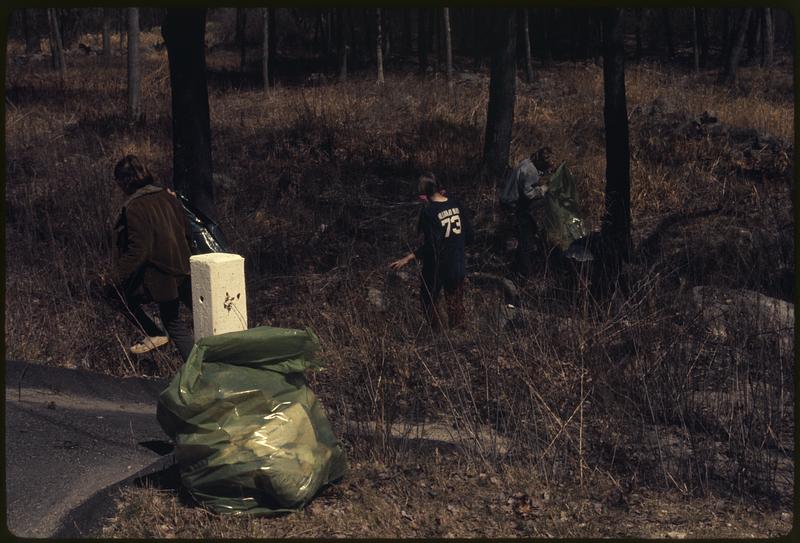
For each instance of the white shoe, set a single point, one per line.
(148, 343)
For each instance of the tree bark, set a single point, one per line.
(184, 34)
(638, 28)
(477, 39)
(56, 46)
(449, 47)
(407, 48)
(134, 70)
(547, 48)
(702, 30)
(341, 44)
(265, 49)
(728, 75)
(527, 32)
(106, 32)
(423, 40)
(273, 44)
(241, 38)
(769, 37)
(616, 228)
(32, 45)
(695, 45)
(753, 34)
(502, 92)
(378, 47)
(668, 43)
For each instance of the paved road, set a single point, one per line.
(68, 435)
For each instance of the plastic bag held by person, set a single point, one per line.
(250, 436)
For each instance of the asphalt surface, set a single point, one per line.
(70, 435)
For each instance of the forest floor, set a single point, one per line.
(663, 409)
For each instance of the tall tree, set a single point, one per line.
(265, 49)
(379, 47)
(616, 228)
(669, 47)
(527, 34)
(702, 38)
(638, 28)
(184, 34)
(241, 37)
(341, 44)
(502, 92)
(273, 43)
(695, 44)
(728, 74)
(134, 70)
(32, 45)
(106, 32)
(769, 38)
(449, 47)
(56, 45)
(423, 39)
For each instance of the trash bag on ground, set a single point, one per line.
(206, 235)
(250, 436)
(562, 221)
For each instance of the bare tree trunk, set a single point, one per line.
(378, 48)
(728, 75)
(423, 41)
(616, 228)
(407, 32)
(449, 46)
(769, 37)
(106, 32)
(477, 37)
(702, 30)
(695, 45)
(341, 44)
(184, 34)
(56, 46)
(670, 48)
(437, 34)
(265, 49)
(32, 45)
(502, 92)
(752, 34)
(241, 37)
(639, 34)
(527, 32)
(547, 52)
(273, 44)
(134, 71)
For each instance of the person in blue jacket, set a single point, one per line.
(447, 230)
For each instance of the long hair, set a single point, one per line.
(131, 172)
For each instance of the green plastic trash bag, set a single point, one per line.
(562, 220)
(250, 436)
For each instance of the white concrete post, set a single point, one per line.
(218, 294)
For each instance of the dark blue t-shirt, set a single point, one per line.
(447, 229)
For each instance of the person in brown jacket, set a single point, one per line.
(151, 258)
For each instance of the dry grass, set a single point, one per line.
(316, 196)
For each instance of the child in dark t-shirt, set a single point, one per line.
(447, 229)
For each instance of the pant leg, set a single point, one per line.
(429, 290)
(177, 329)
(454, 294)
(525, 230)
(129, 303)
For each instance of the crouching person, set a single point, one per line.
(522, 196)
(151, 258)
(447, 229)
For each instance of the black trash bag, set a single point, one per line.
(206, 235)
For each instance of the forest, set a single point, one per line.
(648, 392)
